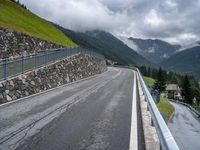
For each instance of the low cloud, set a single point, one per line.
(79, 15)
(176, 21)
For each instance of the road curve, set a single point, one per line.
(87, 115)
(185, 128)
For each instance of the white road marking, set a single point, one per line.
(133, 145)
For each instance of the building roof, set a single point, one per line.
(172, 87)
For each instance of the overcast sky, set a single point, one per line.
(175, 21)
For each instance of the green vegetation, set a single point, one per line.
(165, 106)
(186, 62)
(187, 90)
(190, 86)
(16, 18)
(196, 106)
(149, 81)
(160, 83)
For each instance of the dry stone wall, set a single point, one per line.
(14, 44)
(65, 71)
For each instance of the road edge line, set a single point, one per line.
(133, 145)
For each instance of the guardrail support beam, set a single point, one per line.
(5, 69)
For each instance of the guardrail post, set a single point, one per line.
(69, 53)
(54, 56)
(152, 124)
(5, 69)
(65, 53)
(35, 60)
(22, 64)
(147, 106)
(160, 147)
(45, 58)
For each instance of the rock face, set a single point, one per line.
(154, 50)
(71, 69)
(15, 44)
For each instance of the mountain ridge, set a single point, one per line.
(155, 50)
(186, 61)
(108, 45)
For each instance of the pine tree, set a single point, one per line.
(187, 90)
(149, 72)
(196, 93)
(143, 69)
(174, 79)
(160, 84)
(154, 73)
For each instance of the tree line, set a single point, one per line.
(189, 85)
(18, 3)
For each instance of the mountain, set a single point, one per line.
(108, 45)
(186, 61)
(16, 18)
(153, 50)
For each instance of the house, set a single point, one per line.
(173, 91)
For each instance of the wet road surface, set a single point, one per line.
(185, 128)
(93, 114)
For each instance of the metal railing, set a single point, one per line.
(166, 139)
(196, 112)
(10, 67)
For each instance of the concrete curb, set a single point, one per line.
(172, 116)
(150, 134)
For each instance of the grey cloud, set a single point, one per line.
(172, 20)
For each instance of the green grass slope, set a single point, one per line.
(165, 106)
(149, 81)
(15, 18)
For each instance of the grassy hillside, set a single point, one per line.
(108, 45)
(186, 61)
(165, 106)
(13, 17)
(149, 81)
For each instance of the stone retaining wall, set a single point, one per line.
(14, 44)
(66, 71)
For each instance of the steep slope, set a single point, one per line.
(108, 45)
(154, 50)
(16, 18)
(186, 61)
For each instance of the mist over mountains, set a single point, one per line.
(108, 45)
(185, 60)
(154, 50)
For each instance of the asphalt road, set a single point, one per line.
(93, 114)
(185, 128)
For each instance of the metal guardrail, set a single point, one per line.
(187, 105)
(10, 67)
(166, 139)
